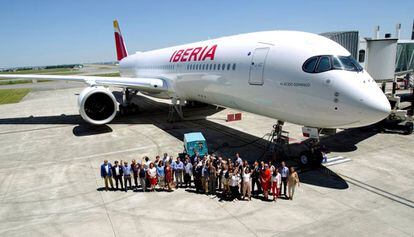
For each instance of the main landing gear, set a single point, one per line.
(127, 107)
(176, 110)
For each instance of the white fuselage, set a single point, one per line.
(263, 75)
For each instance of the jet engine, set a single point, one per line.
(97, 105)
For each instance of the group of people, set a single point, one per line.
(207, 174)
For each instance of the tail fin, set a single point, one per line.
(121, 51)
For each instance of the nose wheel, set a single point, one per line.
(304, 160)
(312, 155)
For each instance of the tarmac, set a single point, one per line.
(50, 183)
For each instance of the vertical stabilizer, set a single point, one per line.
(121, 51)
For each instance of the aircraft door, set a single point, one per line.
(257, 66)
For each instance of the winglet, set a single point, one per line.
(121, 51)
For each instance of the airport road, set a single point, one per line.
(50, 184)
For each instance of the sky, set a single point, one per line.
(50, 32)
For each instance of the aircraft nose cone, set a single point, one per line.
(377, 108)
(381, 109)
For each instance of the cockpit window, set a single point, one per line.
(357, 65)
(330, 62)
(324, 64)
(344, 63)
(309, 65)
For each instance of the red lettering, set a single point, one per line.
(194, 54)
(178, 55)
(210, 53)
(197, 54)
(185, 54)
(201, 55)
(173, 55)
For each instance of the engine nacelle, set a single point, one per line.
(97, 105)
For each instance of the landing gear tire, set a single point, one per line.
(304, 159)
(408, 128)
(307, 159)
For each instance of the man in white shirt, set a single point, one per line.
(284, 171)
(234, 184)
(239, 160)
(179, 170)
(188, 172)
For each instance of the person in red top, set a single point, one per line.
(168, 175)
(265, 181)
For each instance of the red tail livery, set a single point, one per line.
(121, 51)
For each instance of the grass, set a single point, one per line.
(44, 71)
(114, 74)
(19, 82)
(54, 71)
(8, 96)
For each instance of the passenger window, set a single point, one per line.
(214, 67)
(223, 66)
(228, 67)
(309, 65)
(324, 64)
(211, 65)
(234, 66)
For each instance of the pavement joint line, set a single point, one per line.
(373, 187)
(84, 157)
(8, 187)
(103, 202)
(33, 130)
(379, 191)
(236, 218)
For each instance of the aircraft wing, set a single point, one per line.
(140, 83)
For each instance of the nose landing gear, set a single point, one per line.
(306, 153)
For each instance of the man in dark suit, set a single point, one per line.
(117, 173)
(255, 178)
(106, 174)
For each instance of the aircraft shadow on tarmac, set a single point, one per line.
(222, 140)
(346, 140)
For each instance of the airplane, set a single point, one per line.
(292, 76)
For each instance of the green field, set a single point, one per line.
(115, 74)
(8, 96)
(5, 82)
(54, 71)
(59, 71)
